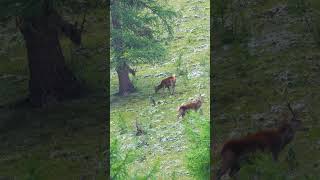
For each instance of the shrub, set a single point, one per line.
(121, 160)
(197, 130)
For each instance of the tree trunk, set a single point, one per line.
(125, 85)
(50, 79)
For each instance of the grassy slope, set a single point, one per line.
(165, 136)
(243, 97)
(62, 141)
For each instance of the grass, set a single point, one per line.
(165, 140)
(248, 86)
(62, 141)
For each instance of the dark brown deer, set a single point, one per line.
(193, 105)
(167, 83)
(273, 140)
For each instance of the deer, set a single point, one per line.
(270, 140)
(193, 105)
(167, 83)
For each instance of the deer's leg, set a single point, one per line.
(168, 87)
(201, 112)
(173, 88)
(234, 169)
(275, 154)
(228, 162)
(183, 112)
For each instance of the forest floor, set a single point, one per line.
(251, 76)
(61, 141)
(165, 140)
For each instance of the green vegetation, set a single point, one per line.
(63, 140)
(262, 167)
(139, 31)
(198, 132)
(250, 76)
(164, 139)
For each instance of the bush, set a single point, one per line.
(180, 69)
(122, 124)
(121, 160)
(197, 130)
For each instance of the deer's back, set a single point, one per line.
(263, 140)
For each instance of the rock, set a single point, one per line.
(195, 74)
(259, 116)
(277, 109)
(160, 75)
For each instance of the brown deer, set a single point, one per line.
(167, 83)
(273, 140)
(193, 105)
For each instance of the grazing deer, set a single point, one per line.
(273, 140)
(167, 83)
(194, 105)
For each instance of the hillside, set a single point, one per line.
(277, 48)
(64, 140)
(165, 141)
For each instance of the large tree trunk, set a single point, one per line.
(50, 79)
(125, 85)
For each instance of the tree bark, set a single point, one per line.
(125, 85)
(50, 78)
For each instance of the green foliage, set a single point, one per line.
(291, 159)
(179, 66)
(235, 12)
(174, 176)
(165, 138)
(119, 160)
(263, 167)
(122, 124)
(309, 13)
(151, 175)
(139, 30)
(297, 7)
(85, 111)
(310, 177)
(197, 130)
(33, 167)
(29, 8)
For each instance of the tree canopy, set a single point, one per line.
(139, 30)
(35, 7)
